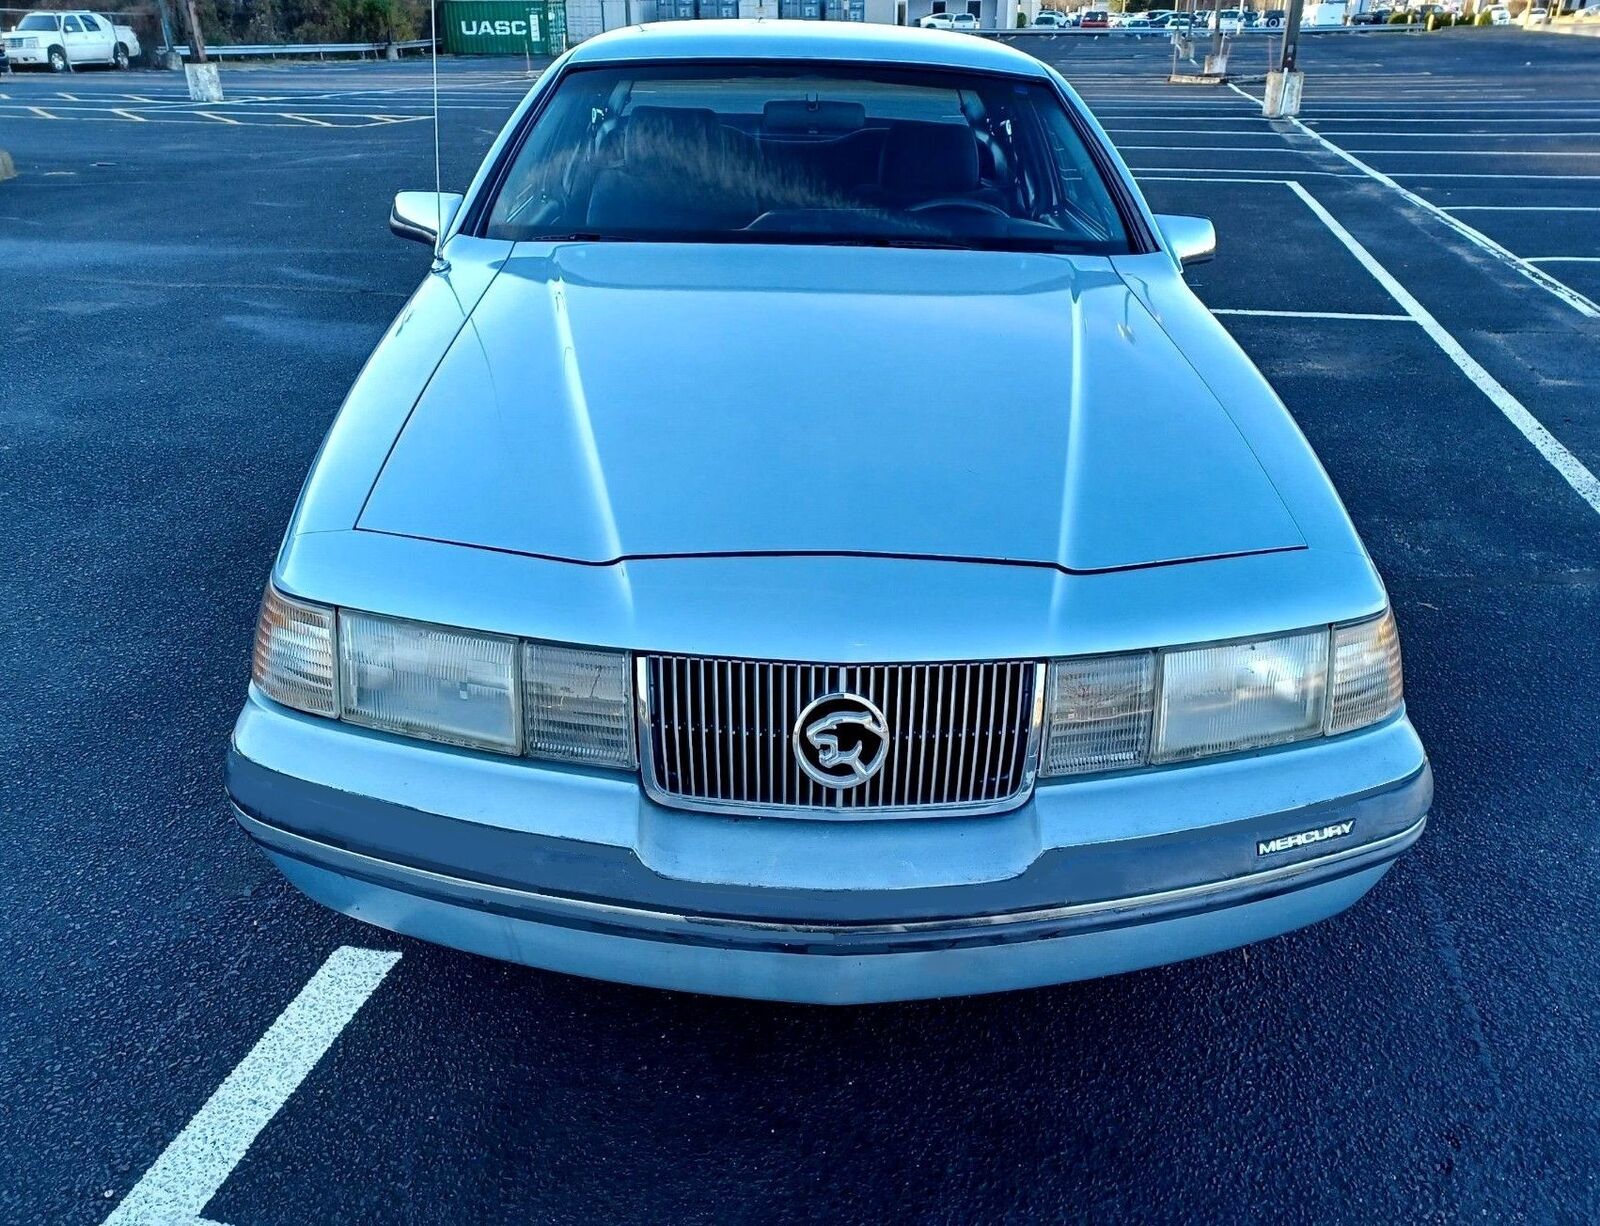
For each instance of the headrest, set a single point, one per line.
(792, 115)
(932, 159)
(655, 131)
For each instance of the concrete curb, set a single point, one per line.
(8, 168)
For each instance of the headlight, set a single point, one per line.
(1240, 696)
(1147, 708)
(429, 681)
(579, 705)
(1365, 674)
(1099, 714)
(293, 659)
(439, 683)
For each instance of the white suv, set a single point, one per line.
(67, 40)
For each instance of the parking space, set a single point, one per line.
(186, 296)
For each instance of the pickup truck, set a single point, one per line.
(69, 40)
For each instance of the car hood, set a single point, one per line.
(614, 401)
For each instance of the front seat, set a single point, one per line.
(680, 169)
(927, 161)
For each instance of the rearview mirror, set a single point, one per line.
(1192, 240)
(421, 216)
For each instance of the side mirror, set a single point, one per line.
(1191, 240)
(422, 216)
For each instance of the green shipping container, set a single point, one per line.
(504, 27)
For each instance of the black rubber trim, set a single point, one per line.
(840, 940)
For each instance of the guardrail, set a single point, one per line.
(300, 50)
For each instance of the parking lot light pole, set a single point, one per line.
(1282, 97)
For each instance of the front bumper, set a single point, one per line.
(579, 872)
(40, 55)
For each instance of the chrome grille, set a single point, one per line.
(717, 734)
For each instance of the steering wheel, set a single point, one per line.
(959, 202)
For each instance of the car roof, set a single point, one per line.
(764, 38)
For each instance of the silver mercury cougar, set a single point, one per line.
(804, 540)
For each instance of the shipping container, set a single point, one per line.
(504, 27)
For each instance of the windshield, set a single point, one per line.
(802, 154)
(37, 21)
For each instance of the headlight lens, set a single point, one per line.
(1146, 708)
(1366, 673)
(293, 658)
(418, 680)
(1099, 713)
(439, 683)
(571, 704)
(579, 705)
(1240, 696)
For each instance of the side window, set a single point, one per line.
(92, 24)
(71, 26)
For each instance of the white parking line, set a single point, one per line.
(1410, 119)
(1364, 316)
(1206, 174)
(1476, 153)
(1392, 134)
(1577, 301)
(1144, 178)
(1563, 259)
(177, 1187)
(1572, 469)
(1220, 148)
(1472, 174)
(1522, 208)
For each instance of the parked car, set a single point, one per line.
(1272, 18)
(1095, 19)
(1227, 21)
(905, 670)
(1050, 19)
(122, 27)
(1370, 17)
(966, 22)
(935, 21)
(1499, 14)
(68, 40)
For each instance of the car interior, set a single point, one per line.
(966, 163)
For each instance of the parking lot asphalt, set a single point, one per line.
(185, 294)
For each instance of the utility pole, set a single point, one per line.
(1291, 36)
(168, 37)
(204, 83)
(1282, 99)
(197, 40)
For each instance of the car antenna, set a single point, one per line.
(440, 264)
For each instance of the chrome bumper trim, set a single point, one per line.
(337, 859)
